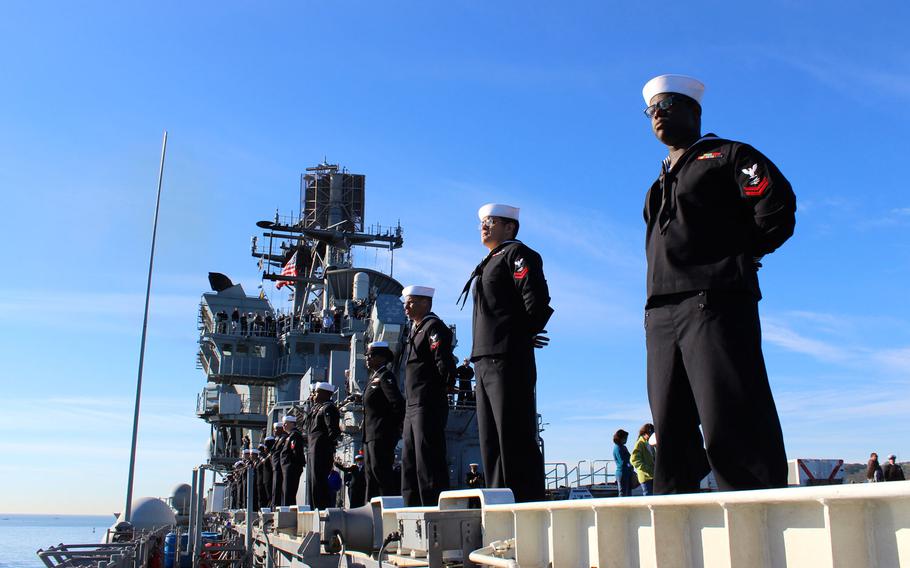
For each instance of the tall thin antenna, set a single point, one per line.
(145, 320)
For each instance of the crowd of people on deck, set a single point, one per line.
(259, 324)
(716, 209)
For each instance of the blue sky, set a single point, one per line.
(444, 107)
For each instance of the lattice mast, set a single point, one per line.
(331, 223)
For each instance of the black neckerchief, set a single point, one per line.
(463, 297)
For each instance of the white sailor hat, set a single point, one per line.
(682, 84)
(254, 451)
(276, 424)
(324, 386)
(238, 463)
(418, 291)
(289, 418)
(245, 451)
(498, 210)
(473, 465)
(267, 438)
(358, 457)
(378, 344)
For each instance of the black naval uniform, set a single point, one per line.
(511, 306)
(465, 392)
(231, 491)
(293, 457)
(355, 480)
(264, 480)
(323, 431)
(429, 373)
(277, 479)
(710, 218)
(254, 466)
(383, 412)
(241, 485)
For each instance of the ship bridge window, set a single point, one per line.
(243, 350)
(227, 349)
(258, 351)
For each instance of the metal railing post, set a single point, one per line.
(578, 472)
(250, 479)
(192, 522)
(200, 506)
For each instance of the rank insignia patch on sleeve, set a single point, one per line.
(756, 185)
(434, 341)
(520, 269)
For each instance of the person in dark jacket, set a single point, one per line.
(624, 470)
(465, 375)
(511, 309)
(253, 464)
(874, 472)
(717, 207)
(275, 457)
(293, 458)
(383, 414)
(323, 429)
(264, 471)
(474, 479)
(429, 374)
(892, 470)
(355, 480)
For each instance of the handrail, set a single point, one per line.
(207, 402)
(558, 474)
(578, 476)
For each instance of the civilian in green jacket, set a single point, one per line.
(643, 459)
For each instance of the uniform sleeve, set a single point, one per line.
(770, 198)
(440, 338)
(298, 447)
(332, 421)
(390, 388)
(527, 274)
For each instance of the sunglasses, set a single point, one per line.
(663, 105)
(487, 223)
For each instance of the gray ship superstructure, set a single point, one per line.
(261, 362)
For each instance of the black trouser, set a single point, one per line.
(357, 490)
(264, 481)
(424, 470)
(507, 424)
(290, 481)
(254, 489)
(705, 367)
(320, 454)
(277, 483)
(378, 457)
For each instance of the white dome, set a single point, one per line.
(150, 513)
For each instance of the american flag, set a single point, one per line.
(290, 269)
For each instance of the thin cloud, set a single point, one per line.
(777, 332)
(843, 348)
(857, 79)
(896, 359)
